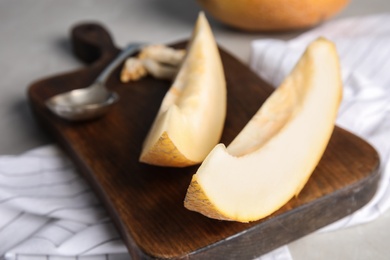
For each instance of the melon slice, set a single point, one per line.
(192, 114)
(271, 159)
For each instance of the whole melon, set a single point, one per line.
(272, 15)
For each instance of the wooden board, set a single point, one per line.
(146, 202)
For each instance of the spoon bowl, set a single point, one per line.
(93, 101)
(80, 104)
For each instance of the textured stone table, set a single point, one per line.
(34, 44)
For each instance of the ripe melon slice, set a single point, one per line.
(271, 159)
(192, 114)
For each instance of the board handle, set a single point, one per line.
(91, 41)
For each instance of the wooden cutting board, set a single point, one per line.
(146, 202)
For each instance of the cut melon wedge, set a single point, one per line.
(271, 159)
(192, 114)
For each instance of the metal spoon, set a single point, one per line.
(92, 101)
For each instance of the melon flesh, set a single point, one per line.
(192, 114)
(271, 159)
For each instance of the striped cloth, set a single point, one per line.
(363, 45)
(47, 211)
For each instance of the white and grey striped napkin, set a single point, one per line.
(47, 211)
(363, 45)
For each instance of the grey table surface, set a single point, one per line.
(34, 44)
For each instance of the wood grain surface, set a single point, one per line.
(146, 202)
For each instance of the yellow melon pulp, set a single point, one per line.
(192, 114)
(271, 159)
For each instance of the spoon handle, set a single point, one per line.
(129, 50)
